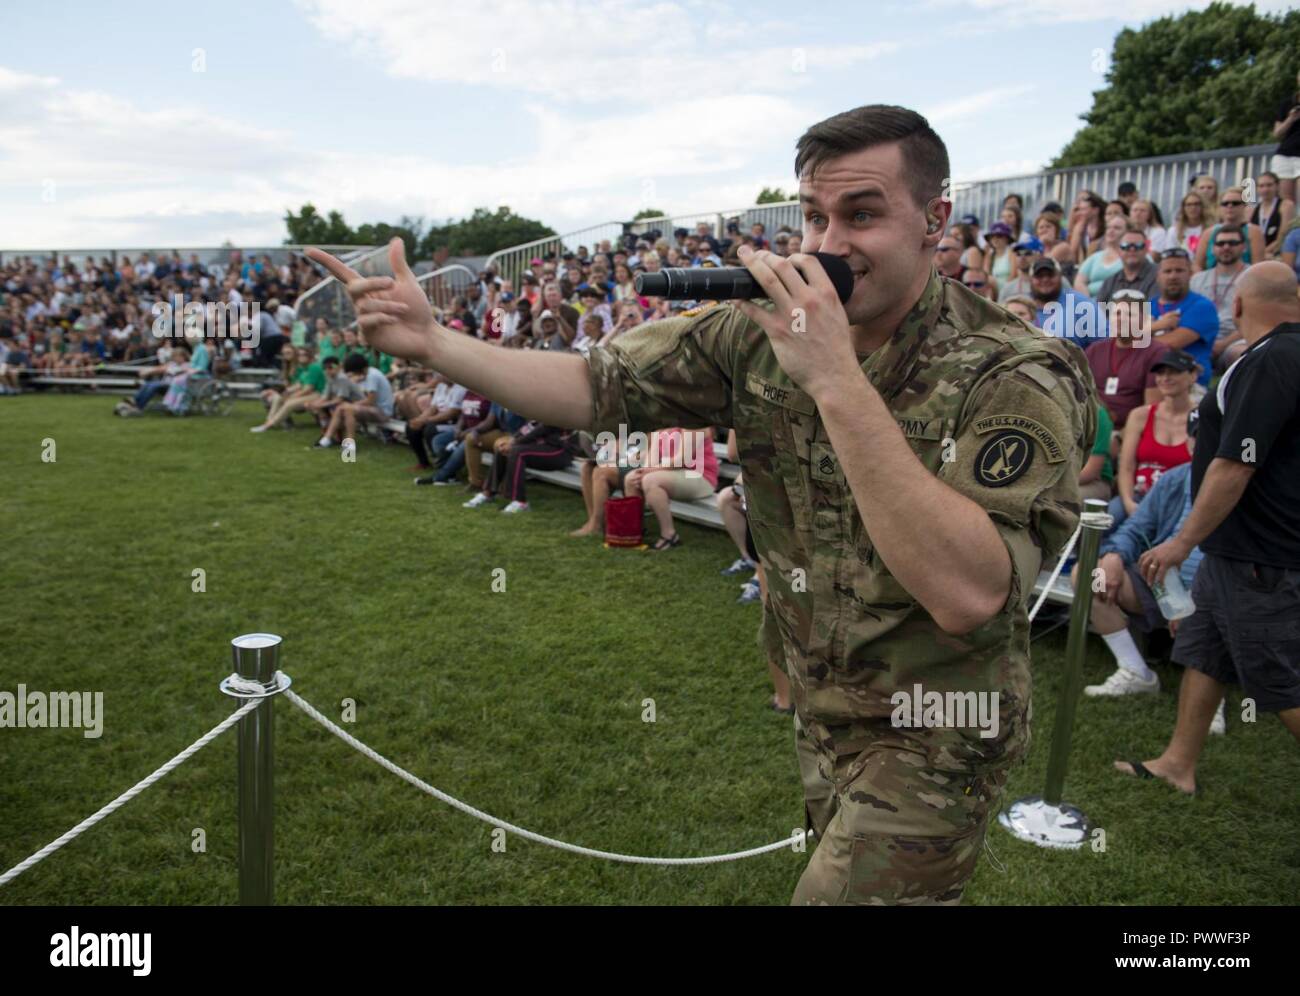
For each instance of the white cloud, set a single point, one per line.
(965, 108)
(581, 50)
(126, 175)
(1001, 13)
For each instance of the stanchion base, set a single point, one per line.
(1031, 819)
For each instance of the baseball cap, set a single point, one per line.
(970, 219)
(1031, 243)
(587, 290)
(507, 296)
(997, 228)
(546, 313)
(1045, 263)
(1176, 359)
(680, 233)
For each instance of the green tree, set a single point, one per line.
(485, 231)
(649, 213)
(772, 195)
(1206, 79)
(309, 228)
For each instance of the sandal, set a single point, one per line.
(1142, 772)
(667, 543)
(788, 710)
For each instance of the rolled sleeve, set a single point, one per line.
(673, 372)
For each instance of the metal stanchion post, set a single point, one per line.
(257, 657)
(1045, 819)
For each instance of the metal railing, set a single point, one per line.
(208, 255)
(1163, 180)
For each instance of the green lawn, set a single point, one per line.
(525, 703)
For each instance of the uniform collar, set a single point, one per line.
(890, 367)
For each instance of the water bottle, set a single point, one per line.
(1173, 598)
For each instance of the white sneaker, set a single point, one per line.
(258, 428)
(515, 506)
(1219, 724)
(1124, 682)
(476, 501)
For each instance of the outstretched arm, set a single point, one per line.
(396, 318)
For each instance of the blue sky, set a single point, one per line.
(133, 124)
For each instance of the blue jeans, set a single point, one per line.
(148, 390)
(448, 464)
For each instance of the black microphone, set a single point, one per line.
(729, 283)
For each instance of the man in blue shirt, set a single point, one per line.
(1184, 319)
(1064, 313)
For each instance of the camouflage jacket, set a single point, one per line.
(998, 411)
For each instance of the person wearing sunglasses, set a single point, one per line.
(1183, 319)
(1219, 284)
(1021, 283)
(1232, 218)
(1137, 271)
(981, 282)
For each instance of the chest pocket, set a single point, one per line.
(773, 423)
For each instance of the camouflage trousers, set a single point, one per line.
(890, 831)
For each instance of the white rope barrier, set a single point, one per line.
(132, 792)
(1094, 520)
(796, 838)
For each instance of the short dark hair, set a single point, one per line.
(925, 157)
(1126, 188)
(356, 363)
(330, 361)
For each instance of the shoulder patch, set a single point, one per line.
(1023, 424)
(1003, 459)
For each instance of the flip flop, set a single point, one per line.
(1143, 772)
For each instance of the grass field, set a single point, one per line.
(526, 703)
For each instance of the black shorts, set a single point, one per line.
(1151, 618)
(1245, 630)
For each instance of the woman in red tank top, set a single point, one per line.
(1155, 436)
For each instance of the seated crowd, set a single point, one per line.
(1151, 306)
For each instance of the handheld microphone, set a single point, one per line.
(729, 283)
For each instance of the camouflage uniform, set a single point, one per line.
(997, 411)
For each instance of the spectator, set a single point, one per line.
(1023, 307)
(1246, 520)
(307, 383)
(1105, 260)
(1272, 213)
(674, 469)
(1155, 436)
(759, 233)
(998, 256)
(1127, 599)
(1188, 224)
(1063, 314)
(972, 254)
(972, 223)
(1122, 364)
(1184, 319)
(535, 446)
(1291, 248)
(1087, 224)
(1136, 272)
(448, 445)
(1013, 217)
(1208, 187)
(1047, 229)
(947, 258)
(981, 283)
(1286, 157)
(601, 476)
(1115, 209)
(565, 315)
(1127, 194)
(12, 365)
(1232, 219)
(441, 408)
(593, 302)
(1146, 216)
(1098, 474)
(376, 404)
(157, 382)
(1219, 285)
(1020, 284)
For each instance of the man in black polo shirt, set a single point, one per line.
(1246, 520)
